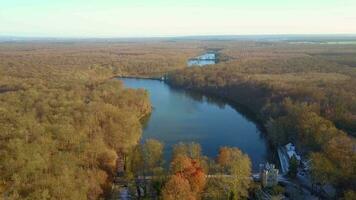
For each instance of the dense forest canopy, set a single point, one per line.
(63, 129)
(300, 94)
(144, 58)
(65, 123)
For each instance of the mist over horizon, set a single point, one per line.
(158, 18)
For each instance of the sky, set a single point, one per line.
(157, 18)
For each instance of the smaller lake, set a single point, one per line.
(202, 60)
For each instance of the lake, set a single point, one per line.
(182, 116)
(202, 60)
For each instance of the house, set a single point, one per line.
(285, 153)
(290, 150)
(268, 175)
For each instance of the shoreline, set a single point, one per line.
(241, 108)
(251, 116)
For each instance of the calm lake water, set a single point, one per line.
(204, 59)
(181, 116)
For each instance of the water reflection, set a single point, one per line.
(185, 116)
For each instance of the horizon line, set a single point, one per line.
(174, 36)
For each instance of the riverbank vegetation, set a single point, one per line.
(304, 99)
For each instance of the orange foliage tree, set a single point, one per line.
(187, 170)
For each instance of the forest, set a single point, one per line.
(299, 93)
(66, 124)
(63, 129)
(67, 127)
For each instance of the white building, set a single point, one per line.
(268, 175)
(285, 153)
(290, 150)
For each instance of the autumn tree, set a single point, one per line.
(146, 159)
(177, 188)
(237, 166)
(349, 195)
(190, 170)
(336, 163)
(322, 169)
(192, 150)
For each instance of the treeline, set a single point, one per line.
(135, 58)
(307, 101)
(62, 130)
(190, 176)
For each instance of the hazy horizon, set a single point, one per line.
(328, 35)
(169, 18)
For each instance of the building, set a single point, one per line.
(290, 150)
(285, 153)
(268, 175)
